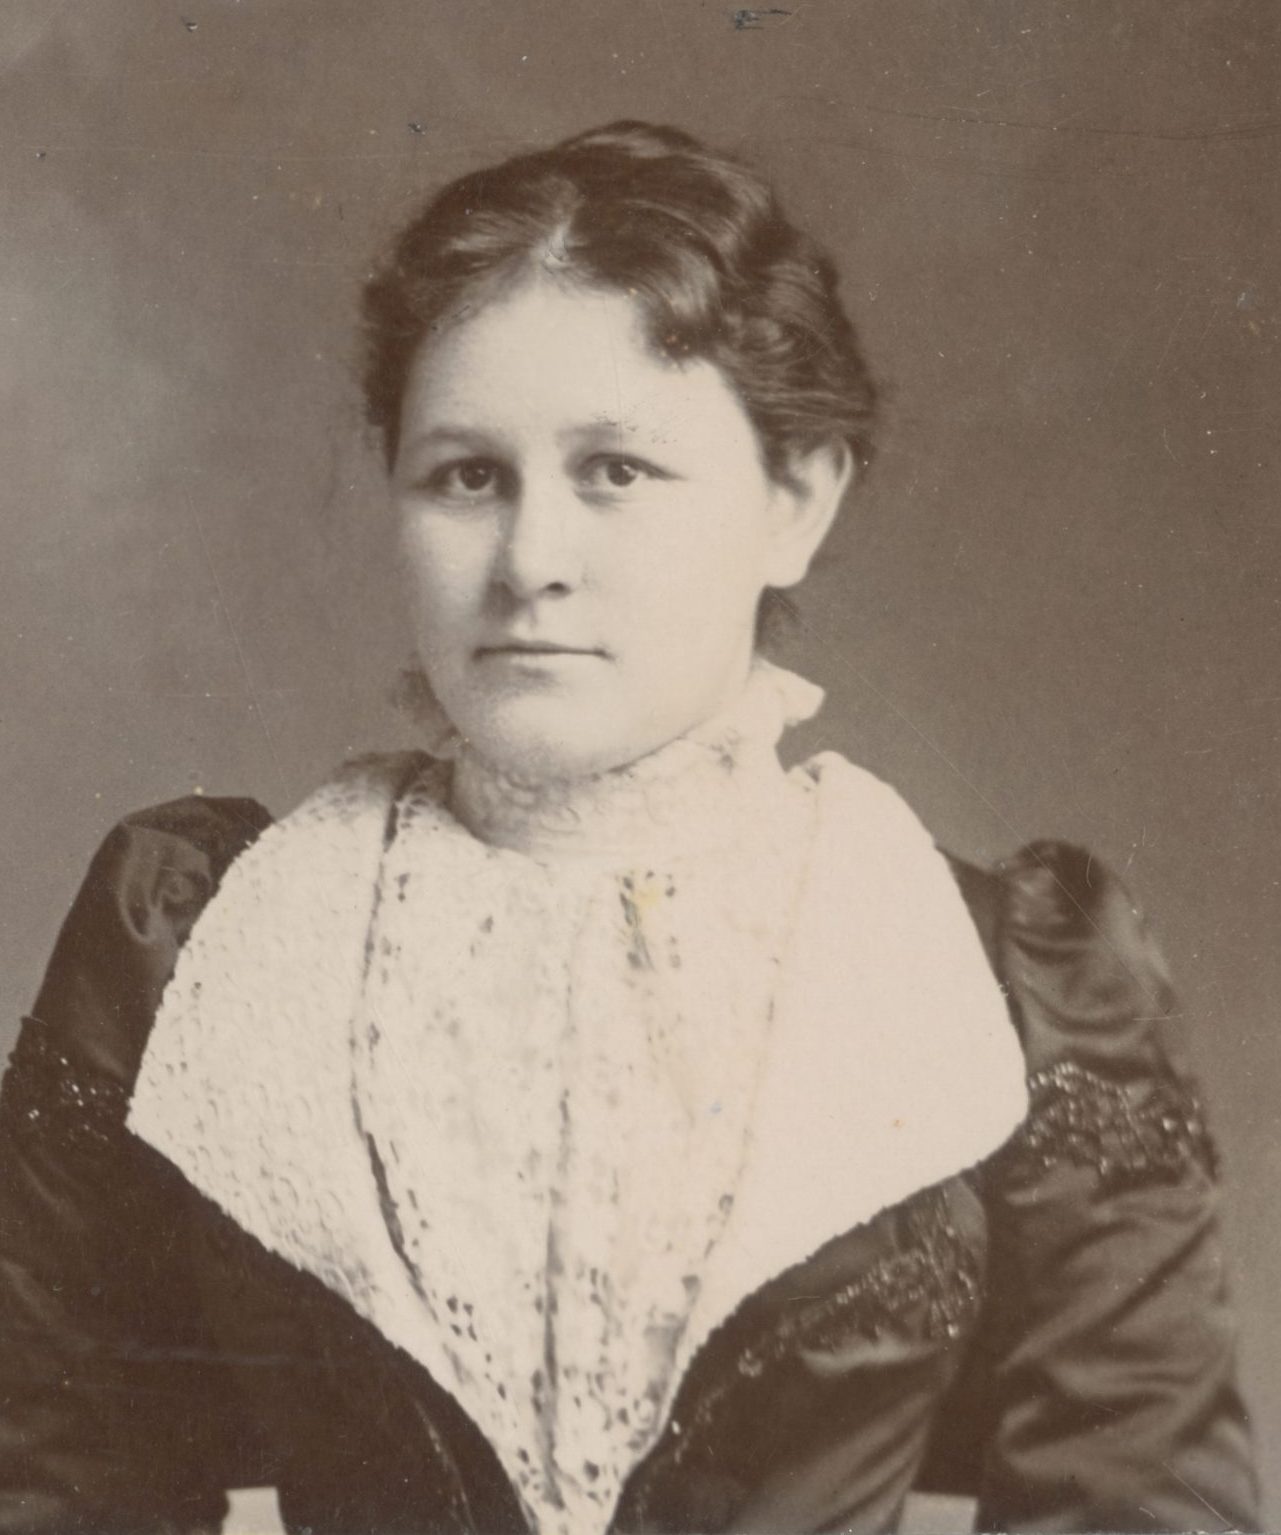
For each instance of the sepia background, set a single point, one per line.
(1052, 610)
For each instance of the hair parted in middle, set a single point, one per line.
(696, 237)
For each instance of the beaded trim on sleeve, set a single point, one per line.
(43, 1093)
(933, 1271)
(1080, 1118)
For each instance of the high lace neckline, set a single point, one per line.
(687, 796)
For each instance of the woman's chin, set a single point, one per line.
(538, 742)
(536, 759)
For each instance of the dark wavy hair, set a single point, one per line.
(698, 239)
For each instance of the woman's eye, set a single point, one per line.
(618, 473)
(467, 479)
(475, 476)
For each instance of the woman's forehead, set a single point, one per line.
(547, 357)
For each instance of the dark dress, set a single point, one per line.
(1048, 1331)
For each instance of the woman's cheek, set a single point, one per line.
(449, 562)
(701, 581)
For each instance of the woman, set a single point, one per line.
(584, 1123)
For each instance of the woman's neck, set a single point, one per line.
(688, 795)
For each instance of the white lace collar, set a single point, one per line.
(686, 798)
(890, 1062)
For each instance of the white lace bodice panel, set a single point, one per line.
(557, 1064)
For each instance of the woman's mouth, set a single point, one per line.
(534, 649)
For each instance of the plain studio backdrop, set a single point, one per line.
(1052, 610)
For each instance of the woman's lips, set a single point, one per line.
(534, 651)
(538, 665)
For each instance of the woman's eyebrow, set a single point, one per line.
(608, 429)
(448, 433)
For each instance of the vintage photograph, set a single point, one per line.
(641, 705)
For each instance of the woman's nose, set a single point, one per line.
(542, 547)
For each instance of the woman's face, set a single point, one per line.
(588, 528)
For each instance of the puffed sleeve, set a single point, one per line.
(107, 1388)
(1112, 1401)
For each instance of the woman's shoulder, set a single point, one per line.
(1111, 1086)
(168, 855)
(1112, 1100)
(1063, 932)
(1068, 938)
(151, 878)
(160, 865)
(1058, 919)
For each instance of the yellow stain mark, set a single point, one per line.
(645, 895)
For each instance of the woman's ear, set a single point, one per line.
(805, 505)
